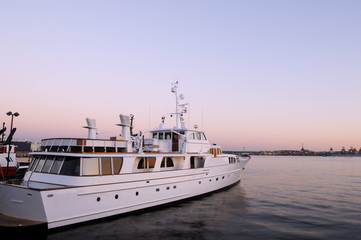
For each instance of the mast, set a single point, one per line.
(180, 109)
(174, 90)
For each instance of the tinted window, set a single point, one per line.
(57, 165)
(34, 163)
(71, 166)
(40, 165)
(48, 164)
(151, 162)
(106, 166)
(117, 164)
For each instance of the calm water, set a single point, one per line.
(278, 198)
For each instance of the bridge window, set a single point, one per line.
(191, 136)
(204, 137)
(40, 164)
(33, 164)
(48, 164)
(198, 136)
(168, 135)
(57, 165)
(71, 166)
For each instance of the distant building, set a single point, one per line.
(343, 150)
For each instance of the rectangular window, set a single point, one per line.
(117, 164)
(155, 135)
(168, 136)
(160, 136)
(34, 163)
(90, 166)
(151, 162)
(40, 164)
(47, 165)
(198, 136)
(106, 166)
(71, 166)
(191, 136)
(57, 165)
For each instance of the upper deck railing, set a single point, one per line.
(78, 145)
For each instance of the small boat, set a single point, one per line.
(74, 180)
(7, 169)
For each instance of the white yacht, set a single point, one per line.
(73, 180)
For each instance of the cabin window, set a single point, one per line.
(155, 135)
(198, 136)
(48, 164)
(167, 162)
(191, 136)
(90, 167)
(148, 162)
(34, 163)
(192, 162)
(141, 164)
(204, 137)
(161, 135)
(117, 164)
(168, 136)
(151, 162)
(40, 164)
(170, 162)
(57, 165)
(71, 166)
(106, 166)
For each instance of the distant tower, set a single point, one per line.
(331, 150)
(302, 149)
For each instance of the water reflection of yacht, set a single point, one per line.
(72, 180)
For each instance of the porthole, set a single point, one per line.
(174, 187)
(98, 199)
(116, 196)
(168, 188)
(216, 179)
(210, 180)
(223, 177)
(199, 182)
(137, 193)
(157, 190)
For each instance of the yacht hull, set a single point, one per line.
(71, 205)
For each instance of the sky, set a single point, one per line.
(258, 74)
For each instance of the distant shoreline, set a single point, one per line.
(296, 153)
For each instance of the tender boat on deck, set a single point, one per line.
(73, 180)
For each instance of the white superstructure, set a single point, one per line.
(73, 180)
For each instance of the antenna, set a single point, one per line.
(180, 109)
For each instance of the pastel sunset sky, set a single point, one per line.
(258, 74)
